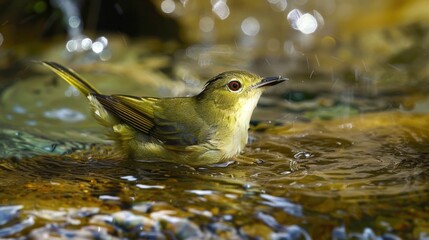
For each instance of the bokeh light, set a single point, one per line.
(39, 7)
(278, 5)
(206, 24)
(221, 9)
(97, 47)
(168, 6)
(74, 21)
(250, 26)
(305, 23)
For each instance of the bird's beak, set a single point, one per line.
(270, 81)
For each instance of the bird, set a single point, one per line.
(208, 128)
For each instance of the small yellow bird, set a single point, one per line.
(208, 128)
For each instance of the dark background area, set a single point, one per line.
(44, 20)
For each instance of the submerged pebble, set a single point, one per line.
(70, 216)
(368, 233)
(16, 228)
(291, 233)
(181, 228)
(286, 205)
(223, 230)
(53, 231)
(128, 221)
(153, 227)
(256, 231)
(8, 213)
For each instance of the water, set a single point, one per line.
(358, 176)
(338, 152)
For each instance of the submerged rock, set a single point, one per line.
(9, 212)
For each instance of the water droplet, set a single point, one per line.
(97, 47)
(142, 186)
(307, 24)
(221, 9)
(201, 192)
(278, 5)
(72, 45)
(108, 197)
(250, 26)
(319, 18)
(103, 40)
(129, 178)
(74, 21)
(168, 6)
(231, 196)
(105, 55)
(293, 16)
(206, 24)
(302, 155)
(86, 43)
(50, 148)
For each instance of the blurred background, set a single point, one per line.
(356, 40)
(339, 55)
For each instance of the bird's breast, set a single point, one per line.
(232, 135)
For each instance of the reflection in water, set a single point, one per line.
(342, 177)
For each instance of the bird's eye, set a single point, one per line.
(234, 86)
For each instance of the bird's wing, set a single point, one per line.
(161, 119)
(178, 124)
(135, 111)
(176, 133)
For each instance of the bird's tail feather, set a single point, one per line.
(72, 78)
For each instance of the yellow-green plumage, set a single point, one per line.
(208, 128)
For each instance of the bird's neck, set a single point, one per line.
(231, 124)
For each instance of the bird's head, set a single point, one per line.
(234, 90)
